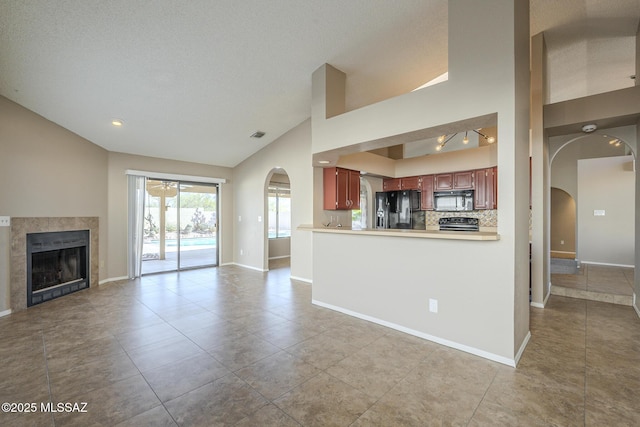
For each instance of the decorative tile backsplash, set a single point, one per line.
(486, 218)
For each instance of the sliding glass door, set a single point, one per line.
(180, 226)
(198, 225)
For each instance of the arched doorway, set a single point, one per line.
(593, 175)
(278, 219)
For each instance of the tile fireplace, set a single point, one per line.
(21, 281)
(57, 264)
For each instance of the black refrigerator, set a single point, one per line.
(399, 210)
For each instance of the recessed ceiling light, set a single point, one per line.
(258, 134)
(324, 162)
(116, 122)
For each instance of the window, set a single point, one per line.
(359, 217)
(279, 210)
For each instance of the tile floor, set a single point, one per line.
(597, 283)
(231, 346)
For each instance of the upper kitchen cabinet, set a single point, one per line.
(410, 183)
(391, 184)
(341, 189)
(486, 188)
(426, 192)
(454, 181)
(406, 183)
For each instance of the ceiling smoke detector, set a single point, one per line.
(589, 128)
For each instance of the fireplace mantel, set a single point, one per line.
(19, 229)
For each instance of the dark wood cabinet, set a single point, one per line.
(406, 183)
(463, 180)
(485, 189)
(341, 189)
(443, 182)
(391, 184)
(426, 192)
(410, 183)
(454, 181)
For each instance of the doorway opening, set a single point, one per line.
(592, 239)
(180, 226)
(278, 196)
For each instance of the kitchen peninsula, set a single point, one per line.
(411, 234)
(472, 295)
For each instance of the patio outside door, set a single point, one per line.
(180, 226)
(198, 225)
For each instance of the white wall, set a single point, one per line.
(606, 184)
(291, 152)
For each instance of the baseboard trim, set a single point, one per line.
(635, 305)
(250, 267)
(522, 347)
(301, 279)
(112, 279)
(437, 340)
(607, 264)
(279, 257)
(546, 299)
(5, 313)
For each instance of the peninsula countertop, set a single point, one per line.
(416, 234)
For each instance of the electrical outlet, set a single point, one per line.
(239, 218)
(562, 242)
(433, 305)
(259, 218)
(5, 221)
(241, 252)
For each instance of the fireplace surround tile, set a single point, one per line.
(20, 226)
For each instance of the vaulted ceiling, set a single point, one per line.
(194, 80)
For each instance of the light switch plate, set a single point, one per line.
(5, 221)
(598, 212)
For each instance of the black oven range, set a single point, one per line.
(459, 223)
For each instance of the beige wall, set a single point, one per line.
(563, 221)
(291, 152)
(539, 175)
(117, 200)
(606, 184)
(47, 171)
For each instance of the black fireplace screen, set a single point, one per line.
(54, 268)
(57, 264)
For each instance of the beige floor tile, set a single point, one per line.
(222, 402)
(83, 378)
(243, 352)
(268, 416)
(111, 404)
(300, 364)
(276, 374)
(323, 401)
(175, 379)
(164, 352)
(156, 417)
